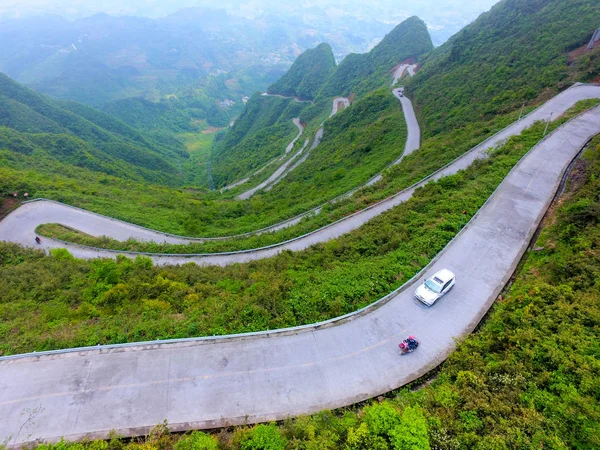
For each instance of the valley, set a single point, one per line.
(254, 280)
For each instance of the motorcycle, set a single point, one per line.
(408, 345)
(38, 240)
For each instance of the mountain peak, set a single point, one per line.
(362, 73)
(307, 75)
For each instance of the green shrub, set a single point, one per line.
(61, 253)
(381, 418)
(264, 437)
(196, 441)
(411, 433)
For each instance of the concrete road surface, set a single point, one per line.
(337, 102)
(275, 177)
(238, 379)
(413, 138)
(409, 68)
(19, 226)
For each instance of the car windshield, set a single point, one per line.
(433, 286)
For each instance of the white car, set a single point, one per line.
(435, 287)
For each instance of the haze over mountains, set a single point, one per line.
(193, 65)
(189, 64)
(445, 18)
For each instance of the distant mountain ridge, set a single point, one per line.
(264, 128)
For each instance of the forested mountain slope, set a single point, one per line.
(261, 133)
(509, 56)
(74, 134)
(361, 73)
(307, 75)
(264, 128)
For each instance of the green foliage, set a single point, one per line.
(308, 73)
(194, 103)
(381, 419)
(360, 438)
(264, 437)
(411, 433)
(196, 441)
(381, 138)
(61, 253)
(134, 301)
(75, 135)
(507, 57)
(528, 378)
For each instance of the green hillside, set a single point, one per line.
(196, 105)
(264, 129)
(77, 135)
(511, 55)
(527, 378)
(307, 75)
(365, 72)
(262, 132)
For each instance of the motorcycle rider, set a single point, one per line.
(408, 345)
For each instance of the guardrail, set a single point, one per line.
(327, 323)
(298, 217)
(423, 181)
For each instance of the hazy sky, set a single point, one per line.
(438, 14)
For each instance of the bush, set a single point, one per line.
(381, 418)
(196, 441)
(411, 433)
(264, 437)
(61, 253)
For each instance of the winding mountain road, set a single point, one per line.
(413, 140)
(288, 149)
(338, 103)
(250, 192)
(275, 177)
(212, 382)
(409, 68)
(98, 225)
(20, 225)
(285, 168)
(296, 99)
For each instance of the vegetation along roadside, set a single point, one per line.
(414, 168)
(527, 378)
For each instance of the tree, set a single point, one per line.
(196, 441)
(264, 437)
(411, 433)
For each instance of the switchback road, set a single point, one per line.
(20, 225)
(213, 382)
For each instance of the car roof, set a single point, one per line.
(445, 275)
